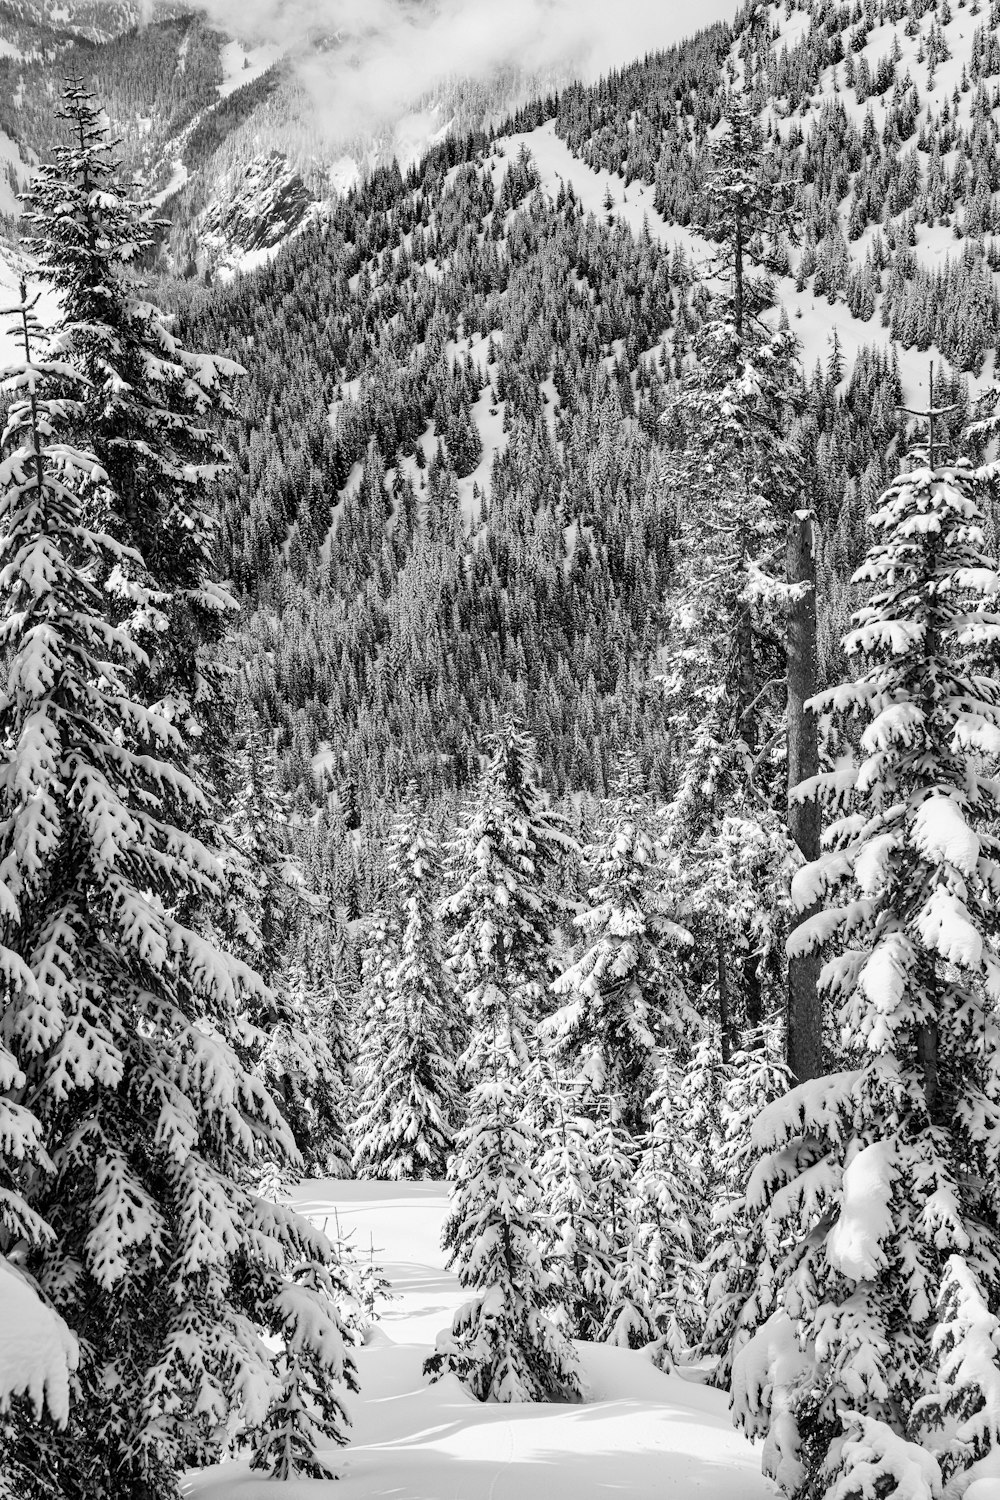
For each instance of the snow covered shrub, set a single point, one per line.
(876, 1185)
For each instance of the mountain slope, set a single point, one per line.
(454, 490)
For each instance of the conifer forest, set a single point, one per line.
(499, 750)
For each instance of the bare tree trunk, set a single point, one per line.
(927, 1056)
(805, 1014)
(725, 1014)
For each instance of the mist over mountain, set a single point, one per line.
(361, 59)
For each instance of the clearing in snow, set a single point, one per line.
(641, 1434)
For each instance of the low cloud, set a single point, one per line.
(371, 60)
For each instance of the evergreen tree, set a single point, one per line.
(753, 1078)
(626, 998)
(744, 202)
(309, 1406)
(726, 661)
(666, 1211)
(405, 1119)
(121, 1020)
(630, 1313)
(262, 915)
(578, 1243)
(302, 1059)
(877, 1186)
(503, 910)
(142, 413)
(503, 1343)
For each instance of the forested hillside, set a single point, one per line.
(457, 483)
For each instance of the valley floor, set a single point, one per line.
(642, 1433)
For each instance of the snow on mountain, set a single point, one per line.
(254, 214)
(416, 133)
(12, 268)
(94, 20)
(13, 175)
(241, 65)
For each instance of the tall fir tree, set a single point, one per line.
(505, 1343)
(754, 1077)
(625, 997)
(142, 413)
(738, 481)
(503, 910)
(121, 1022)
(876, 1192)
(578, 1241)
(408, 1106)
(302, 1058)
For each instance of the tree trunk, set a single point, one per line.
(805, 1014)
(725, 1015)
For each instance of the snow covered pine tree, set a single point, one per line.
(503, 1344)
(408, 1100)
(878, 1188)
(625, 1001)
(133, 1122)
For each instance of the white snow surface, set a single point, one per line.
(12, 267)
(814, 320)
(941, 833)
(855, 1243)
(10, 156)
(642, 1433)
(633, 205)
(242, 65)
(37, 1350)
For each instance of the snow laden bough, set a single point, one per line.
(870, 1356)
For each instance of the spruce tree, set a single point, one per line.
(504, 1343)
(404, 1127)
(630, 1313)
(876, 1192)
(667, 1212)
(302, 1059)
(143, 412)
(503, 910)
(578, 1242)
(626, 1001)
(753, 1078)
(121, 1021)
(262, 917)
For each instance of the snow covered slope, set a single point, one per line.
(12, 267)
(641, 1434)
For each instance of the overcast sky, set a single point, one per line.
(395, 50)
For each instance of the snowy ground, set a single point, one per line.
(642, 1434)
